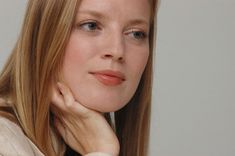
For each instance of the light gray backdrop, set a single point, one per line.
(194, 90)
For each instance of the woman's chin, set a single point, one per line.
(104, 108)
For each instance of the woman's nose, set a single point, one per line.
(115, 48)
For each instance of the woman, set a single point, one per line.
(74, 62)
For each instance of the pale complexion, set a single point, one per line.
(108, 35)
(105, 57)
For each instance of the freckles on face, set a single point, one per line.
(107, 52)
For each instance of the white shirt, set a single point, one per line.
(13, 141)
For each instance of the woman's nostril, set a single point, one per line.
(108, 56)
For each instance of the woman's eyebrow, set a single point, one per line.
(137, 21)
(93, 13)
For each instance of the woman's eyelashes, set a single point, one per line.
(137, 34)
(89, 26)
(93, 26)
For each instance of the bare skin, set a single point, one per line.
(109, 44)
(83, 129)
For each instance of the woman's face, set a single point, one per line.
(107, 52)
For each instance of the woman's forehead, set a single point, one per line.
(118, 8)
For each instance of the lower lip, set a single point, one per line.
(108, 80)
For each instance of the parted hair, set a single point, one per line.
(35, 63)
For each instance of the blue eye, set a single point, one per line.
(138, 35)
(89, 26)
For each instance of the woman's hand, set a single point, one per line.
(83, 129)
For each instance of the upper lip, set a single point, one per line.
(111, 73)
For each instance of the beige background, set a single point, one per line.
(194, 90)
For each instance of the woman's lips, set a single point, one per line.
(109, 77)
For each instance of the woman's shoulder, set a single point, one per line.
(13, 141)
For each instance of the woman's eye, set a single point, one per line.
(89, 26)
(139, 35)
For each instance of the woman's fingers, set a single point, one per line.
(67, 95)
(83, 129)
(70, 104)
(57, 99)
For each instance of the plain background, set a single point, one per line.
(194, 90)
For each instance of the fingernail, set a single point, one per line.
(60, 86)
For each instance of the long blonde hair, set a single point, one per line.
(35, 63)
